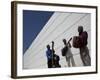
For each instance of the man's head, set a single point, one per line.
(48, 46)
(64, 41)
(80, 29)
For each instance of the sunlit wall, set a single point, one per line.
(60, 25)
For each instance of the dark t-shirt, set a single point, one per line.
(83, 37)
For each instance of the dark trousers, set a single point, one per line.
(49, 63)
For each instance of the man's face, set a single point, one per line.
(48, 46)
(64, 41)
(80, 29)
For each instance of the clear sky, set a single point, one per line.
(33, 22)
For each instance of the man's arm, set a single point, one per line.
(69, 42)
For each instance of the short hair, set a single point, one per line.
(48, 46)
(64, 40)
(80, 28)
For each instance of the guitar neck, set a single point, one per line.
(69, 40)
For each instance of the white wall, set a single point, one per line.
(61, 25)
(5, 41)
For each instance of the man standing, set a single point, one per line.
(66, 51)
(52, 58)
(84, 52)
(49, 56)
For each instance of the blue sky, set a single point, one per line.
(33, 22)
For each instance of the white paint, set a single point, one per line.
(5, 43)
(34, 58)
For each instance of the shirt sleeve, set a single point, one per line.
(48, 54)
